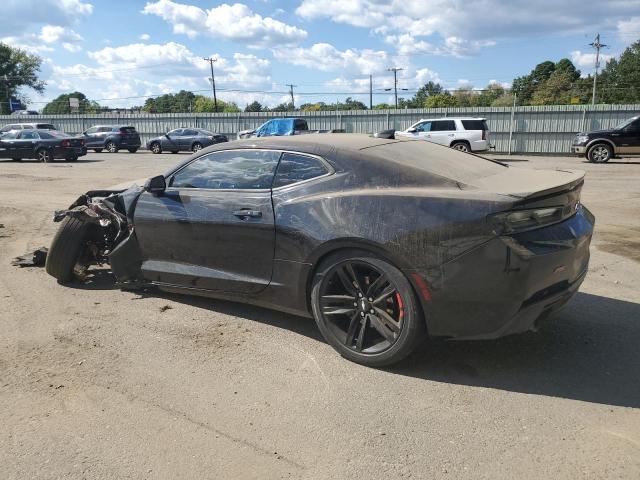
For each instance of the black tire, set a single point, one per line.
(72, 158)
(155, 147)
(355, 329)
(97, 150)
(600, 153)
(461, 146)
(132, 150)
(196, 147)
(44, 155)
(174, 151)
(111, 147)
(66, 248)
(16, 159)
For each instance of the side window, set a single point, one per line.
(443, 125)
(104, 129)
(230, 169)
(633, 127)
(423, 127)
(175, 133)
(91, 130)
(24, 127)
(296, 168)
(190, 133)
(29, 135)
(300, 125)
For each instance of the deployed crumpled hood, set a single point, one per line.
(125, 185)
(526, 183)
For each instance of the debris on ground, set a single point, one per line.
(37, 258)
(164, 308)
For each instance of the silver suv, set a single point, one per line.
(466, 134)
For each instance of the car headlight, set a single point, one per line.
(581, 139)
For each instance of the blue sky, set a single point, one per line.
(118, 52)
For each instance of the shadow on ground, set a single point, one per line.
(589, 351)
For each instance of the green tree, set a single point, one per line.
(620, 79)
(441, 100)
(204, 104)
(60, 104)
(526, 85)
(254, 106)
(427, 90)
(180, 102)
(382, 106)
(490, 94)
(18, 69)
(283, 107)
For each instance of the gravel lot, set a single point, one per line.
(100, 383)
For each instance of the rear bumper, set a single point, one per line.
(479, 145)
(60, 152)
(505, 285)
(128, 143)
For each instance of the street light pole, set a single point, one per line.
(213, 83)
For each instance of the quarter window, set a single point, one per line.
(230, 169)
(29, 135)
(296, 168)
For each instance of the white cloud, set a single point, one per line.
(407, 45)
(144, 37)
(463, 28)
(41, 12)
(49, 36)
(325, 57)
(629, 30)
(235, 22)
(587, 61)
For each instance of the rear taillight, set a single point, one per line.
(65, 143)
(522, 220)
(81, 143)
(484, 134)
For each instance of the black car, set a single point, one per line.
(111, 138)
(185, 139)
(44, 145)
(600, 146)
(380, 240)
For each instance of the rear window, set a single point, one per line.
(45, 126)
(54, 134)
(475, 125)
(436, 160)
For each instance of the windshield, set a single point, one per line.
(9, 136)
(627, 122)
(444, 162)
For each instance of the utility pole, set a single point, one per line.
(213, 83)
(293, 103)
(370, 92)
(395, 71)
(597, 45)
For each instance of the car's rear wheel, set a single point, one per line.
(155, 147)
(43, 155)
(600, 153)
(365, 308)
(67, 248)
(196, 147)
(97, 150)
(72, 158)
(461, 146)
(132, 150)
(16, 159)
(111, 147)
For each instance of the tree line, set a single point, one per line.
(548, 83)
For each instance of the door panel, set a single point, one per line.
(197, 238)
(628, 139)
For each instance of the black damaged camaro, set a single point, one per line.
(381, 241)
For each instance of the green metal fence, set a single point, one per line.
(545, 129)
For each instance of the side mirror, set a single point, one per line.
(157, 184)
(412, 130)
(167, 135)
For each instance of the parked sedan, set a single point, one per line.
(111, 138)
(185, 139)
(381, 241)
(44, 145)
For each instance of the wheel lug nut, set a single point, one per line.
(362, 314)
(373, 311)
(360, 294)
(370, 299)
(355, 304)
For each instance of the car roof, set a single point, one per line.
(312, 142)
(451, 118)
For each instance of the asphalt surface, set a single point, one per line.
(101, 383)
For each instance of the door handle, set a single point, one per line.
(245, 212)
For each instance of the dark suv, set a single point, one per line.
(111, 138)
(600, 146)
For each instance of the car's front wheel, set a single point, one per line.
(43, 155)
(600, 153)
(16, 159)
(155, 147)
(67, 248)
(365, 308)
(72, 158)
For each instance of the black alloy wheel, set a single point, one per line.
(366, 309)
